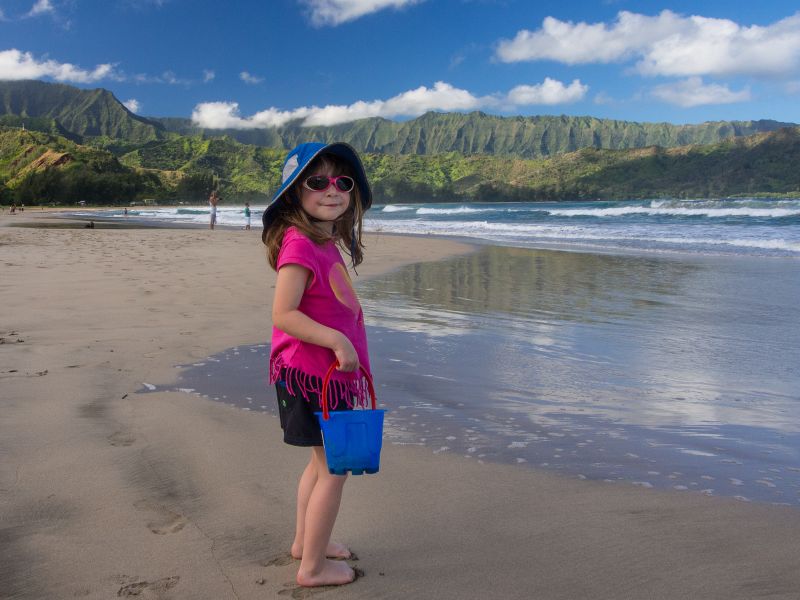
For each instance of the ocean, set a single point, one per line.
(742, 226)
(659, 350)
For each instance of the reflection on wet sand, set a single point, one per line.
(676, 366)
(553, 285)
(662, 373)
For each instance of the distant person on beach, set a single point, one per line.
(247, 215)
(213, 199)
(317, 320)
(13, 209)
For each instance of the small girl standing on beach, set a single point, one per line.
(317, 320)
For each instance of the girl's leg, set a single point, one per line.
(304, 489)
(323, 506)
(307, 482)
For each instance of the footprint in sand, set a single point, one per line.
(121, 438)
(167, 521)
(158, 587)
(279, 560)
(173, 524)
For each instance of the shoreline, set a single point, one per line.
(167, 492)
(585, 247)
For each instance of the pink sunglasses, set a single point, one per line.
(320, 183)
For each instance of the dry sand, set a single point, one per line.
(107, 493)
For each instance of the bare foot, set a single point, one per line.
(334, 550)
(333, 573)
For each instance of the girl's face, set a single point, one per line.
(326, 205)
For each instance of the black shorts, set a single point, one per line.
(298, 421)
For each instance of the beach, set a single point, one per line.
(108, 491)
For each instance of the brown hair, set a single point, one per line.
(289, 212)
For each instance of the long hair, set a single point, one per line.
(289, 212)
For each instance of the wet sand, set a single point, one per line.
(105, 492)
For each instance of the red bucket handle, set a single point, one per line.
(326, 381)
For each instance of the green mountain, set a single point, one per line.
(754, 165)
(96, 117)
(37, 167)
(63, 144)
(72, 112)
(479, 133)
(240, 169)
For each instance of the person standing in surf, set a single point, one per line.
(213, 200)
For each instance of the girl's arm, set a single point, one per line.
(289, 289)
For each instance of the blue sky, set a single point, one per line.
(258, 63)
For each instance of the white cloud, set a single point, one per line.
(336, 12)
(666, 44)
(225, 115)
(144, 4)
(133, 105)
(169, 77)
(166, 77)
(22, 65)
(576, 43)
(550, 91)
(441, 97)
(250, 79)
(603, 98)
(208, 75)
(41, 7)
(693, 92)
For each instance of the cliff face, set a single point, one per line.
(74, 111)
(479, 133)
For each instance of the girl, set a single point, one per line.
(317, 320)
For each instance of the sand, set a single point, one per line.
(107, 493)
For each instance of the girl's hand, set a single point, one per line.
(346, 355)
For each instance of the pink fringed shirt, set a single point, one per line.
(329, 299)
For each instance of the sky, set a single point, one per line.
(260, 63)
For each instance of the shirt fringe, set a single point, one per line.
(354, 393)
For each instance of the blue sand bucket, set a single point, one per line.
(352, 438)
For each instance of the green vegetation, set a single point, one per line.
(37, 167)
(763, 163)
(77, 113)
(96, 117)
(482, 134)
(84, 145)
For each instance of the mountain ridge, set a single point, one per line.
(81, 113)
(96, 116)
(480, 133)
(62, 144)
(37, 167)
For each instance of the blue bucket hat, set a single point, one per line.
(298, 159)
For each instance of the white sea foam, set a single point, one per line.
(712, 212)
(695, 452)
(742, 226)
(635, 236)
(461, 210)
